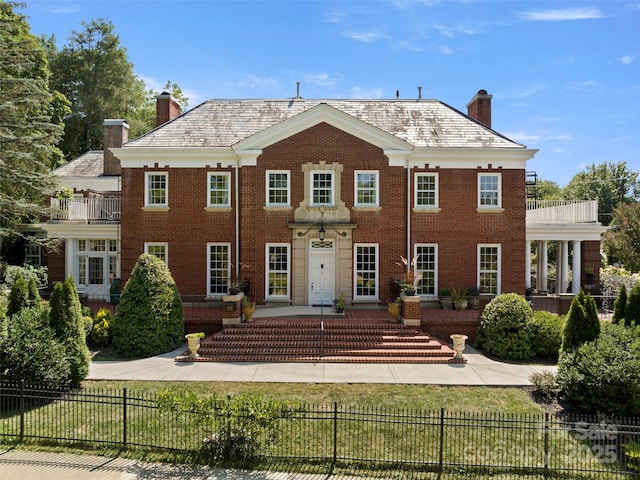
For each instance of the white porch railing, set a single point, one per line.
(95, 208)
(562, 211)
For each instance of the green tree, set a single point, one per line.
(582, 324)
(612, 184)
(149, 318)
(548, 190)
(68, 325)
(93, 71)
(19, 296)
(143, 119)
(34, 299)
(30, 125)
(620, 305)
(632, 313)
(622, 242)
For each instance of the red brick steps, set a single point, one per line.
(342, 340)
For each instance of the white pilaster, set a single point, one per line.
(563, 261)
(576, 265)
(542, 277)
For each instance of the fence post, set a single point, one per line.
(441, 453)
(124, 417)
(335, 433)
(21, 410)
(546, 444)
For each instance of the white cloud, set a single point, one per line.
(525, 92)
(627, 59)
(410, 46)
(321, 79)
(565, 137)
(335, 17)
(444, 50)
(584, 13)
(452, 32)
(363, 93)
(522, 136)
(65, 8)
(366, 37)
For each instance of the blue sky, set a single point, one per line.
(564, 75)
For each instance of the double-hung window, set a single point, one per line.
(489, 191)
(322, 188)
(32, 255)
(219, 268)
(156, 189)
(366, 271)
(489, 268)
(426, 190)
(366, 188)
(219, 189)
(278, 191)
(427, 265)
(158, 249)
(278, 267)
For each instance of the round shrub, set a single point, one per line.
(546, 335)
(100, 335)
(149, 318)
(30, 352)
(604, 375)
(504, 327)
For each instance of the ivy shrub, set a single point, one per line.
(67, 322)
(604, 375)
(149, 318)
(546, 335)
(504, 329)
(30, 351)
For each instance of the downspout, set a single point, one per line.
(408, 213)
(237, 209)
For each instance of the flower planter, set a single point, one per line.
(193, 343)
(394, 310)
(460, 304)
(458, 344)
(248, 309)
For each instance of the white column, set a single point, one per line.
(563, 275)
(541, 275)
(527, 267)
(576, 265)
(69, 257)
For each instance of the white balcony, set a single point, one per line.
(562, 211)
(85, 209)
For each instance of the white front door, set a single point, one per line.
(322, 273)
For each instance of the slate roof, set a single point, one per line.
(424, 123)
(90, 164)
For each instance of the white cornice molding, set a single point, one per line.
(97, 184)
(322, 113)
(565, 231)
(191, 157)
(435, 157)
(80, 230)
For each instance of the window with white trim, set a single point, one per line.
(158, 249)
(155, 189)
(32, 255)
(278, 270)
(219, 188)
(218, 268)
(426, 190)
(92, 258)
(278, 191)
(489, 268)
(427, 265)
(366, 271)
(489, 190)
(322, 188)
(366, 188)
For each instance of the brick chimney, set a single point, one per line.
(116, 132)
(167, 108)
(479, 108)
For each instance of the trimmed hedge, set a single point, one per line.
(546, 335)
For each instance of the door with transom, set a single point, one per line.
(322, 261)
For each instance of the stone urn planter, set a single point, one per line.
(394, 308)
(248, 309)
(193, 343)
(458, 344)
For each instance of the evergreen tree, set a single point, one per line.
(632, 313)
(94, 73)
(19, 295)
(34, 299)
(66, 320)
(30, 123)
(582, 324)
(149, 318)
(620, 305)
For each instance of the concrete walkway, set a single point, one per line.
(479, 370)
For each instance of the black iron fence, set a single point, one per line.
(422, 442)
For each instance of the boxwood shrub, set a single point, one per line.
(546, 335)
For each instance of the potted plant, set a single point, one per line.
(473, 297)
(248, 308)
(193, 343)
(394, 307)
(460, 298)
(410, 277)
(446, 299)
(237, 284)
(338, 304)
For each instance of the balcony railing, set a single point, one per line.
(562, 211)
(95, 208)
